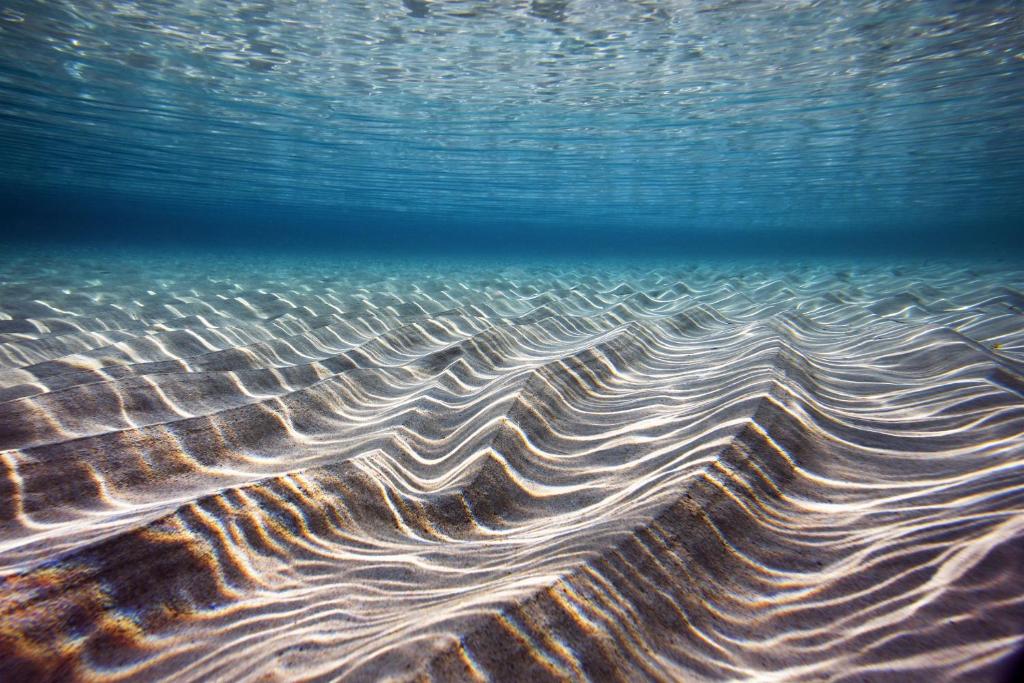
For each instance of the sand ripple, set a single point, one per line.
(302, 471)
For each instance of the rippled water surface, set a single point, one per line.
(689, 114)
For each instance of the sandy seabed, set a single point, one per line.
(281, 470)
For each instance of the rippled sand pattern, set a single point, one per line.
(309, 472)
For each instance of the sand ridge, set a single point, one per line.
(314, 471)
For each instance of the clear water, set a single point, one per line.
(511, 340)
(559, 124)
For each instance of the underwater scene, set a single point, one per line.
(511, 340)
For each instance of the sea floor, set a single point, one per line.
(251, 468)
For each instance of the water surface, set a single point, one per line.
(658, 118)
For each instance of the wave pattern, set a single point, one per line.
(437, 471)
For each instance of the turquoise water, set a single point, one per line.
(511, 340)
(520, 125)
